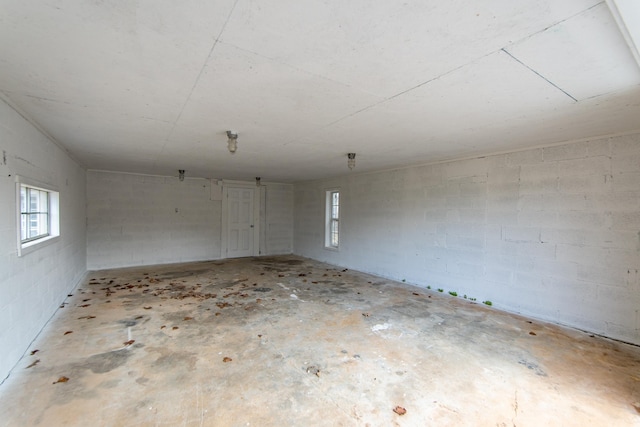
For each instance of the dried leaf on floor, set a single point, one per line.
(163, 326)
(86, 317)
(226, 359)
(399, 410)
(85, 305)
(147, 308)
(128, 343)
(33, 364)
(62, 379)
(68, 332)
(188, 318)
(174, 328)
(34, 351)
(532, 333)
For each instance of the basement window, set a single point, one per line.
(332, 226)
(38, 207)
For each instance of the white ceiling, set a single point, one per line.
(152, 86)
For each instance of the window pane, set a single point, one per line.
(33, 200)
(43, 202)
(334, 233)
(43, 224)
(23, 226)
(23, 199)
(32, 228)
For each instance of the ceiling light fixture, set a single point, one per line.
(181, 174)
(351, 162)
(232, 142)
(257, 181)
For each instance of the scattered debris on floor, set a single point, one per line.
(380, 327)
(399, 410)
(313, 370)
(345, 328)
(62, 379)
(33, 364)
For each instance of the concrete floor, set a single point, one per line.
(286, 341)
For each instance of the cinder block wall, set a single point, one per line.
(278, 219)
(33, 286)
(145, 220)
(553, 233)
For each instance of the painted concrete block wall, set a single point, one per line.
(278, 215)
(553, 233)
(33, 286)
(145, 220)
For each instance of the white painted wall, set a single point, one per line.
(33, 286)
(553, 233)
(278, 216)
(145, 220)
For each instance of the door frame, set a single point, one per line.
(226, 184)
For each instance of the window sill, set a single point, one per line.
(331, 248)
(27, 248)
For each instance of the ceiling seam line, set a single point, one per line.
(449, 71)
(555, 23)
(197, 80)
(389, 98)
(539, 75)
(302, 70)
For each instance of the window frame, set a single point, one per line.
(332, 220)
(30, 244)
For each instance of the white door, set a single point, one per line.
(240, 222)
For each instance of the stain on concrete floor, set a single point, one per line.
(287, 341)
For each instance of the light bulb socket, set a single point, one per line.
(232, 142)
(181, 174)
(351, 162)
